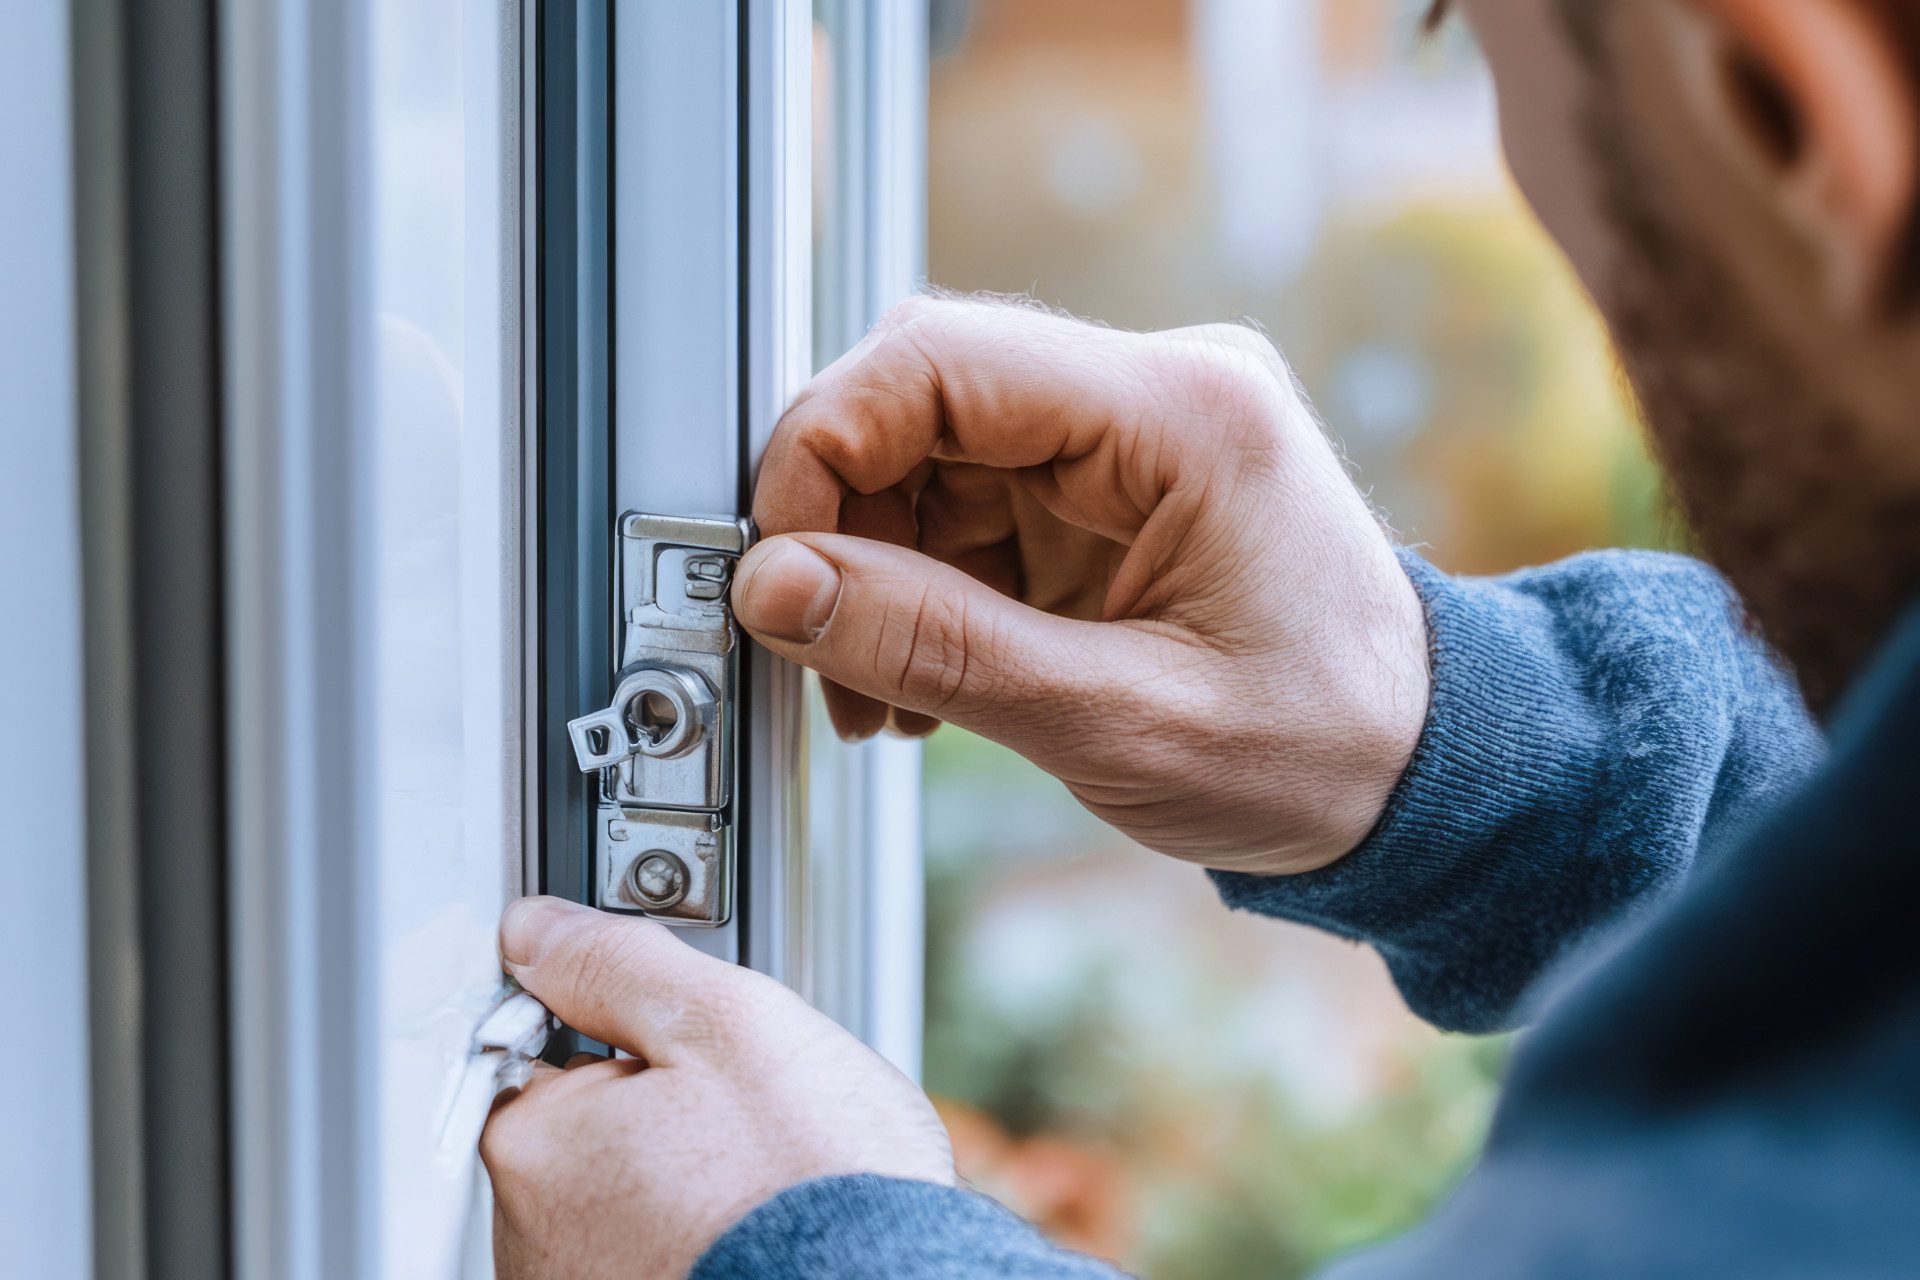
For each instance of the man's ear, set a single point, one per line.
(1820, 99)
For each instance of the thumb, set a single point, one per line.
(894, 625)
(621, 980)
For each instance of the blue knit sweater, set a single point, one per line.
(1608, 826)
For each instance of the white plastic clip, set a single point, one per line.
(517, 1031)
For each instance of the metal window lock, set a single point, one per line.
(663, 749)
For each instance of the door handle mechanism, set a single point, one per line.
(663, 749)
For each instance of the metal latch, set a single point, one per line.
(664, 748)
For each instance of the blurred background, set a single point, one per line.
(1192, 1093)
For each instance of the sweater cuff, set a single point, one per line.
(857, 1226)
(1500, 763)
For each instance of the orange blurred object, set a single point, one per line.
(1076, 1192)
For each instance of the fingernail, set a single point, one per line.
(525, 927)
(787, 591)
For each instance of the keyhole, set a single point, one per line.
(655, 716)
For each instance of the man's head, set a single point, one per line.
(1736, 181)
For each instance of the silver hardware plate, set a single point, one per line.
(663, 750)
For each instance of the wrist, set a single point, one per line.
(1384, 703)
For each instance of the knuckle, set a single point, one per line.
(635, 946)
(1240, 337)
(937, 641)
(1242, 399)
(1234, 378)
(733, 1010)
(611, 954)
(908, 310)
(862, 412)
(822, 434)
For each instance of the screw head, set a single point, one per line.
(657, 880)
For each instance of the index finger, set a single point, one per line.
(965, 381)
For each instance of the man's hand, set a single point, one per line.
(1133, 558)
(738, 1090)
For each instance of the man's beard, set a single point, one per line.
(1774, 477)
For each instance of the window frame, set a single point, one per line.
(871, 253)
(692, 205)
(295, 964)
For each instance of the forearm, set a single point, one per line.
(1593, 726)
(864, 1226)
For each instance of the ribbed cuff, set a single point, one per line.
(1505, 767)
(862, 1226)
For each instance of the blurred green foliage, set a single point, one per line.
(1228, 1173)
(1289, 1193)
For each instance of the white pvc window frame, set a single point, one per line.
(868, 885)
(710, 269)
